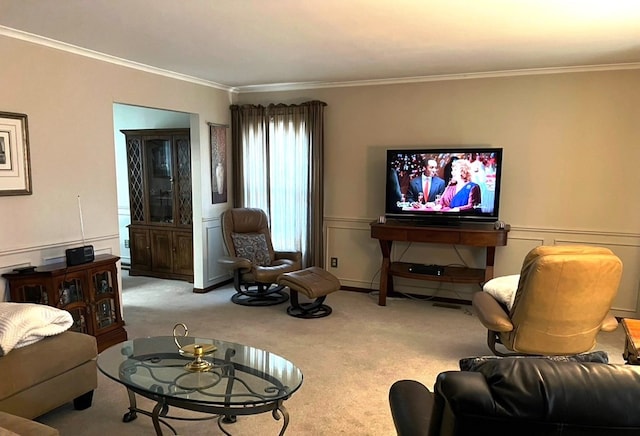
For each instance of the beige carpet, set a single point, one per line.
(348, 359)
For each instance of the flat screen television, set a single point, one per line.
(443, 186)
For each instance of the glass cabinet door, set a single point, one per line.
(69, 292)
(71, 297)
(35, 293)
(102, 282)
(105, 306)
(183, 188)
(160, 180)
(105, 313)
(79, 319)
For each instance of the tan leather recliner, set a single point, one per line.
(255, 264)
(562, 302)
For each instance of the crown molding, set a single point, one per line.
(435, 78)
(70, 48)
(48, 42)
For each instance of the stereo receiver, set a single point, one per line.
(80, 255)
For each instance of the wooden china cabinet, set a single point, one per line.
(161, 229)
(88, 291)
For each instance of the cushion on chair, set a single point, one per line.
(503, 289)
(313, 282)
(252, 246)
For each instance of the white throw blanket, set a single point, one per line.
(23, 324)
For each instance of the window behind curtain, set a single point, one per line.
(277, 177)
(278, 167)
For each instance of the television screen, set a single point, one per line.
(443, 185)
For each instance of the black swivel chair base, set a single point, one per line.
(314, 309)
(260, 297)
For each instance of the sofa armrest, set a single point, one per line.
(24, 427)
(490, 313)
(559, 395)
(411, 405)
(295, 256)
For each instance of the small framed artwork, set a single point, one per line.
(15, 167)
(218, 133)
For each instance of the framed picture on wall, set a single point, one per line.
(218, 135)
(15, 167)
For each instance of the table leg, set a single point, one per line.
(131, 414)
(155, 417)
(229, 371)
(386, 280)
(489, 264)
(277, 412)
(161, 409)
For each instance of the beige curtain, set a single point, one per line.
(278, 157)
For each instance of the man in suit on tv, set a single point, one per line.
(429, 183)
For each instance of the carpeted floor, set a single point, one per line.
(348, 359)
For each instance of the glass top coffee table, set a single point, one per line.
(233, 380)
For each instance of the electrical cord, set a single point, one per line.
(455, 248)
(438, 289)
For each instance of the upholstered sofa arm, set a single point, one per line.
(594, 398)
(522, 396)
(234, 262)
(294, 256)
(16, 425)
(411, 404)
(490, 313)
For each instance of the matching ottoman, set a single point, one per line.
(315, 283)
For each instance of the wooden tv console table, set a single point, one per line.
(477, 235)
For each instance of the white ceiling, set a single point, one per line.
(244, 43)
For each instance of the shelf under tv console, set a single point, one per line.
(477, 235)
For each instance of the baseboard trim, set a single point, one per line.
(212, 287)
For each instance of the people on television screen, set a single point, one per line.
(447, 169)
(394, 193)
(479, 176)
(429, 184)
(462, 194)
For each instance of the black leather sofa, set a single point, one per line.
(530, 396)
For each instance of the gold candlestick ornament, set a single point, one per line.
(194, 350)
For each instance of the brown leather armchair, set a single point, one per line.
(255, 264)
(561, 303)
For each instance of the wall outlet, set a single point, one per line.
(126, 243)
(334, 262)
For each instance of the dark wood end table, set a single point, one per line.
(632, 341)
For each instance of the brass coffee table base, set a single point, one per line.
(226, 415)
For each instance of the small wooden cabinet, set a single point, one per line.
(89, 292)
(161, 252)
(160, 233)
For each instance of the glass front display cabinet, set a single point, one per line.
(89, 292)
